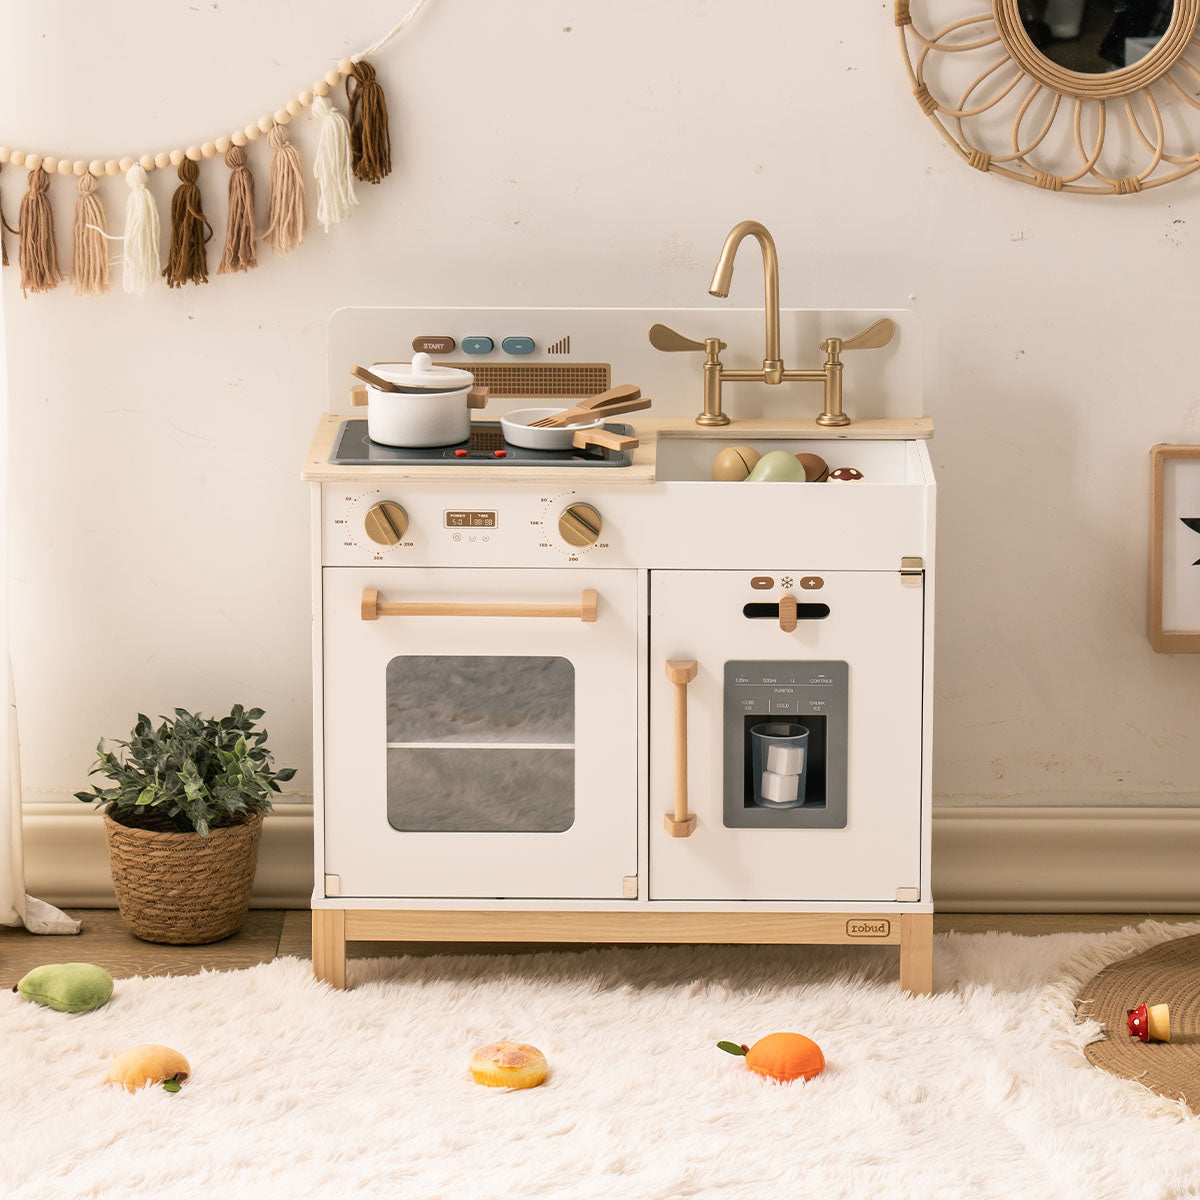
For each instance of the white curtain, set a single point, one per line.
(16, 908)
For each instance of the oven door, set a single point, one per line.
(802, 741)
(474, 754)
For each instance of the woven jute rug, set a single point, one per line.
(1166, 974)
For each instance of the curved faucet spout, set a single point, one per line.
(772, 363)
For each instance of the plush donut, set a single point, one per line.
(508, 1064)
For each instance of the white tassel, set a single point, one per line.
(333, 169)
(142, 264)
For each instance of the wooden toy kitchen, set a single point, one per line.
(593, 693)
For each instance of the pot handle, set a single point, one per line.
(681, 823)
(372, 608)
(358, 397)
(477, 397)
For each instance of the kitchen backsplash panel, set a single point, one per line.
(878, 383)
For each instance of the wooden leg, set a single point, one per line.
(916, 953)
(329, 945)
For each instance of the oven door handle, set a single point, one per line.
(681, 823)
(373, 608)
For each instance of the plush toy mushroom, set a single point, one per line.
(845, 475)
(1151, 1024)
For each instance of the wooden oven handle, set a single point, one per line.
(373, 608)
(681, 823)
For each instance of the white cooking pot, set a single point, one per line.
(434, 409)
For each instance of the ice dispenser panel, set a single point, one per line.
(785, 744)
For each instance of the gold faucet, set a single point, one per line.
(773, 370)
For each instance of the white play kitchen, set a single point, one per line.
(663, 677)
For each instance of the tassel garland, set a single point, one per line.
(36, 251)
(239, 253)
(187, 261)
(332, 169)
(142, 262)
(285, 201)
(370, 141)
(91, 273)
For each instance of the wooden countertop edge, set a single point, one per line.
(318, 469)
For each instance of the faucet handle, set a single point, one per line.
(873, 337)
(664, 338)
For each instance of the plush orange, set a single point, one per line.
(782, 1056)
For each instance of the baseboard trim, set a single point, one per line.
(66, 859)
(1049, 860)
(984, 859)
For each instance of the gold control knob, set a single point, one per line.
(580, 525)
(386, 523)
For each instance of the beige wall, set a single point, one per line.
(553, 153)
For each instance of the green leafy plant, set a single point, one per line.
(191, 773)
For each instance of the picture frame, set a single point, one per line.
(1174, 611)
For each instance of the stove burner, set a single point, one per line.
(486, 446)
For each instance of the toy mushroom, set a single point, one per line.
(845, 475)
(1151, 1024)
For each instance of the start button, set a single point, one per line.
(433, 344)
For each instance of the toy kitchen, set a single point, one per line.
(663, 675)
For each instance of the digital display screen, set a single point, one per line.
(471, 520)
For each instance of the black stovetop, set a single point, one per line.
(486, 447)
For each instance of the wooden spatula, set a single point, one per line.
(624, 398)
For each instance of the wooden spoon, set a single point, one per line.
(375, 381)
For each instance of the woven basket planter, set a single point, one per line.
(182, 888)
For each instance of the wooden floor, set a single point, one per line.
(275, 933)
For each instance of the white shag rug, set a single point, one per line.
(979, 1091)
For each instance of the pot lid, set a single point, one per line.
(422, 374)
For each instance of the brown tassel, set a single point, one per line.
(187, 261)
(370, 142)
(91, 273)
(285, 201)
(239, 253)
(3, 226)
(36, 250)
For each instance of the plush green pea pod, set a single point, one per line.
(67, 987)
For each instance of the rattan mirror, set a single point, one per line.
(1093, 96)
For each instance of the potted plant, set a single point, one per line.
(182, 818)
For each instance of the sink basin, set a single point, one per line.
(688, 459)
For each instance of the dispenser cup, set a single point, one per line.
(778, 764)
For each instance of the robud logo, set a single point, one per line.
(878, 928)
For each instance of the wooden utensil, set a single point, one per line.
(376, 382)
(625, 398)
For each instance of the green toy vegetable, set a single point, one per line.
(67, 987)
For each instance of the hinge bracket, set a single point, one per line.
(912, 572)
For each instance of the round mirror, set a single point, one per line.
(1097, 97)
(1096, 37)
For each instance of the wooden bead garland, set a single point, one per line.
(359, 147)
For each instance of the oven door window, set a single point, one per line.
(480, 744)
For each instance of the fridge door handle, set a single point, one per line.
(681, 823)
(372, 608)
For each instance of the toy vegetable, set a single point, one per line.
(1151, 1024)
(782, 1056)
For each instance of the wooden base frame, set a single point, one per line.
(913, 933)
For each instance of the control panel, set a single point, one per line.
(516, 345)
(431, 526)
